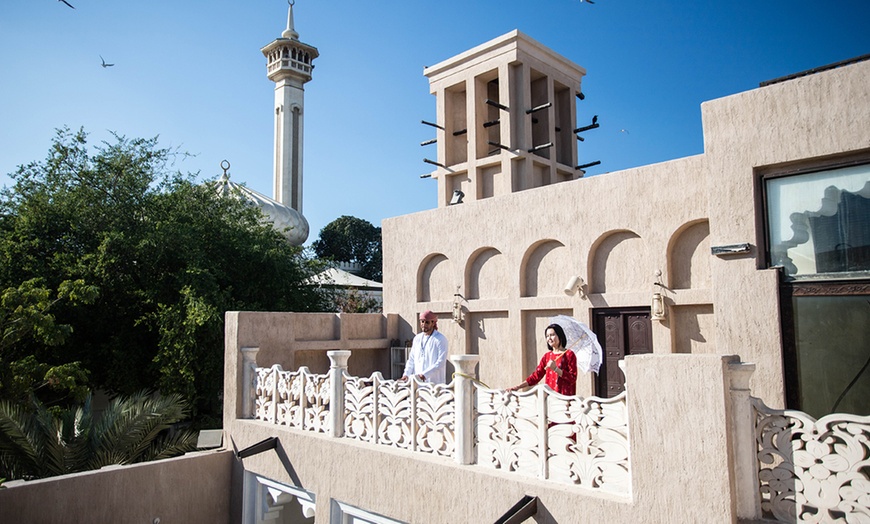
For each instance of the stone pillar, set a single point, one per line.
(464, 365)
(743, 438)
(337, 366)
(249, 381)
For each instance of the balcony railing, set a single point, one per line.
(812, 470)
(539, 433)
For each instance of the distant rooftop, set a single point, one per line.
(813, 71)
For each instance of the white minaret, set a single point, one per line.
(289, 65)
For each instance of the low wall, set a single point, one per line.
(293, 340)
(681, 461)
(193, 488)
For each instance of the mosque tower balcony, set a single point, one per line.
(287, 56)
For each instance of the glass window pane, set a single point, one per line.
(819, 223)
(832, 335)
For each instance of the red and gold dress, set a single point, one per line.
(567, 362)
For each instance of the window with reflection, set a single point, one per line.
(819, 223)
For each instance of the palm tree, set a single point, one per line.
(36, 443)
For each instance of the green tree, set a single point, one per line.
(25, 314)
(352, 239)
(352, 300)
(37, 443)
(167, 255)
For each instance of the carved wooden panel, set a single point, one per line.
(626, 332)
(801, 289)
(614, 351)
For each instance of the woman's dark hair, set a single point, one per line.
(559, 333)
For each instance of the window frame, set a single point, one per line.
(790, 169)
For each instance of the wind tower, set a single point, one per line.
(289, 65)
(506, 120)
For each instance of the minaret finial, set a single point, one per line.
(290, 32)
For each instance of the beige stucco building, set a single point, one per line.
(529, 222)
(721, 237)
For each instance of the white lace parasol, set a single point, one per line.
(582, 341)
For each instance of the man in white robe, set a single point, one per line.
(428, 357)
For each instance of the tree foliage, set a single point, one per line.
(353, 300)
(163, 256)
(36, 442)
(352, 239)
(25, 313)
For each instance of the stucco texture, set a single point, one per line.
(193, 488)
(510, 255)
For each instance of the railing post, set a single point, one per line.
(249, 381)
(543, 429)
(743, 437)
(464, 398)
(303, 398)
(337, 366)
(376, 407)
(414, 386)
(276, 375)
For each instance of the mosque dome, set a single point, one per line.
(285, 219)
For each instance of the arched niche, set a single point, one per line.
(689, 256)
(545, 268)
(486, 275)
(435, 279)
(618, 263)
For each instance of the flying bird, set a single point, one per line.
(104, 64)
(587, 1)
(624, 131)
(67, 3)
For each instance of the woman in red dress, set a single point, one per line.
(559, 365)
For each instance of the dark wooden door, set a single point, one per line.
(621, 332)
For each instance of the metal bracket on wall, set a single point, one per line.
(731, 249)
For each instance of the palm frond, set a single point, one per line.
(30, 446)
(132, 425)
(36, 444)
(18, 453)
(172, 445)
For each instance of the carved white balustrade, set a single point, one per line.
(813, 470)
(298, 399)
(408, 415)
(580, 441)
(540, 433)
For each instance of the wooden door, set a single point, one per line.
(621, 332)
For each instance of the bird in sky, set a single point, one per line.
(587, 1)
(594, 119)
(67, 3)
(104, 64)
(624, 131)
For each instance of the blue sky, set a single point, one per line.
(191, 72)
